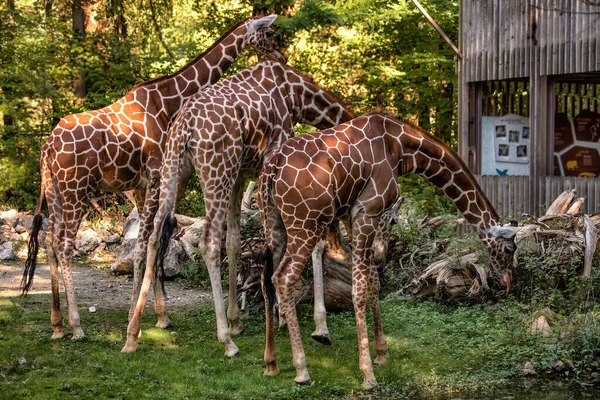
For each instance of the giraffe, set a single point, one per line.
(351, 171)
(118, 148)
(227, 131)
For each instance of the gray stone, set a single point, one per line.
(132, 225)
(540, 326)
(174, 259)
(123, 264)
(528, 369)
(20, 229)
(6, 251)
(111, 239)
(87, 242)
(10, 218)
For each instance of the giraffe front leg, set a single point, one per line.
(321, 333)
(233, 241)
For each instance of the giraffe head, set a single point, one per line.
(501, 248)
(261, 36)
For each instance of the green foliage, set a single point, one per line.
(195, 273)
(425, 199)
(550, 280)
(192, 202)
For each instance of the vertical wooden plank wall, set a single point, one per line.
(510, 194)
(498, 34)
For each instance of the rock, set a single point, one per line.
(88, 242)
(6, 251)
(528, 369)
(558, 365)
(20, 229)
(174, 259)
(27, 222)
(123, 264)
(540, 326)
(132, 225)
(111, 239)
(189, 238)
(92, 309)
(10, 218)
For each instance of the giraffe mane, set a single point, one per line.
(310, 79)
(192, 62)
(442, 144)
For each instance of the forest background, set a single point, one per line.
(63, 57)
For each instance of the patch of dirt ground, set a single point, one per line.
(94, 286)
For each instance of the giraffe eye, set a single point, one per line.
(270, 34)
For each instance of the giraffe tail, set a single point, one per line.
(33, 246)
(268, 208)
(168, 227)
(267, 259)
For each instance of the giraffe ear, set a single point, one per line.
(262, 22)
(506, 232)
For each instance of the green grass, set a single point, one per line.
(435, 351)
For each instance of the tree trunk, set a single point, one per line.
(79, 88)
(7, 34)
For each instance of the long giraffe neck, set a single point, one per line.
(424, 155)
(314, 105)
(204, 70)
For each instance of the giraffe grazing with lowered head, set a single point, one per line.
(227, 131)
(118, 148)
(351, 171)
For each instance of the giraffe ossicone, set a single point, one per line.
(118, 148)
(351, 171)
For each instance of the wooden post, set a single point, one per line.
(547, 108)
(534, 126)
(463, 93)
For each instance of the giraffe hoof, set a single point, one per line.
(129, 347)
(322, 338)
(237, 329)
(77, 334)
(381, 360)
(304, 382)
(162, 324)
(58, 334)
(271, 370)
(232, 351)
(370, 385)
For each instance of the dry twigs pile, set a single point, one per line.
(562, 234)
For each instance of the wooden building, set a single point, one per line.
(529, 100)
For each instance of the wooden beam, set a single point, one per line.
(437, 28)
(463, 93)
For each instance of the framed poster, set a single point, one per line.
(511, 139)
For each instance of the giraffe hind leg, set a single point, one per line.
(70, 221)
